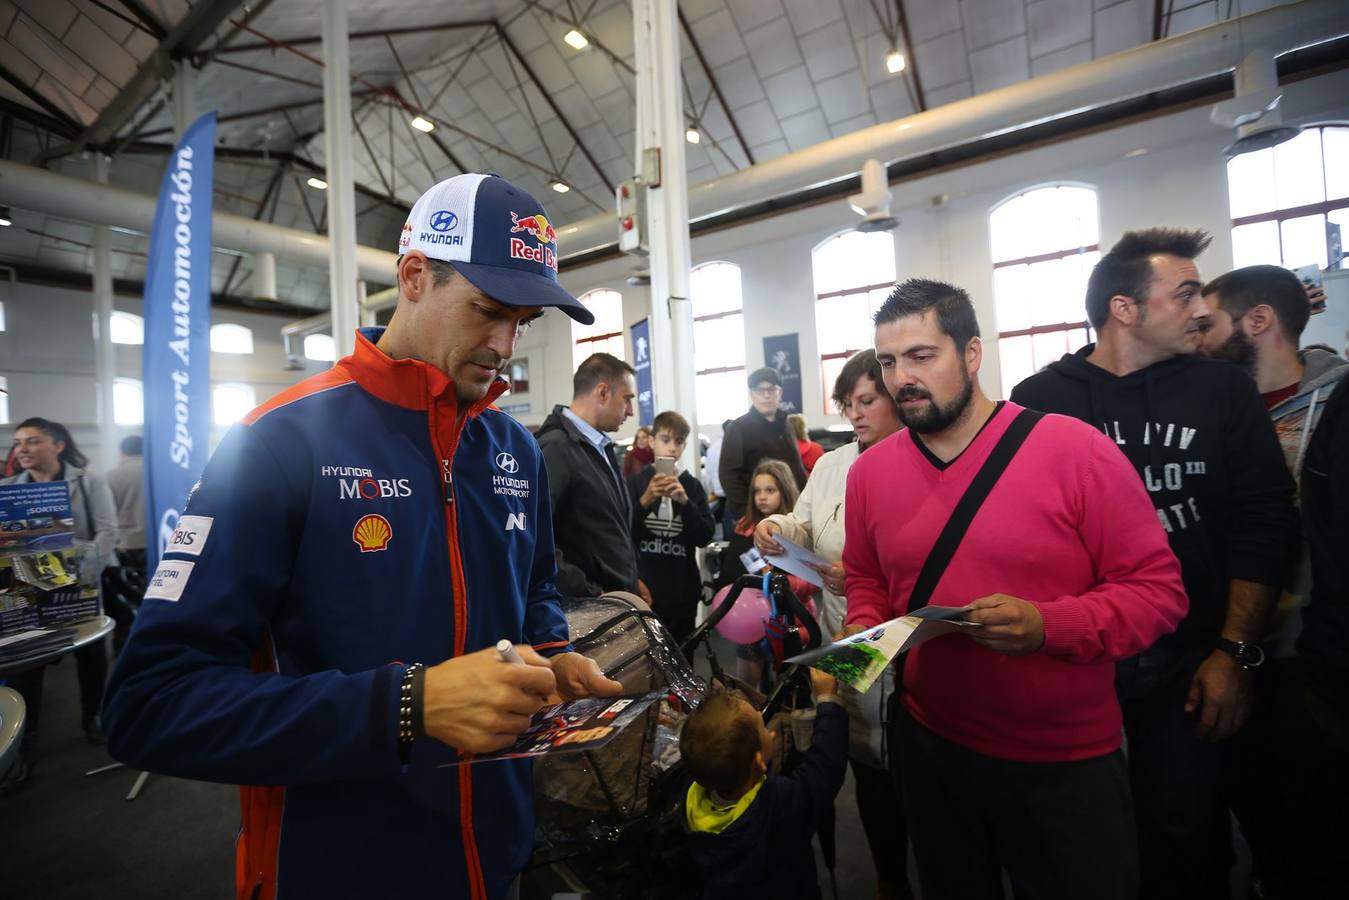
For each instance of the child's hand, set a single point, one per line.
(822, 683)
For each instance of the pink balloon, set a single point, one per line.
(744, 623)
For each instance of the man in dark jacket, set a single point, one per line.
(1322, 782)
(762, 433)
(592, 512)
(1199, 437)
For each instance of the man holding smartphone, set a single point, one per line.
(670, 520)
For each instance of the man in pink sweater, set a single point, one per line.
(1008, 736)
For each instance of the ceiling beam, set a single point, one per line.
(1157, 8)
(716, 88)
(585, 151)
(149, 20)
(68, 124)
(196, 26)
(912, 68)
(259, 113)
(354, 36)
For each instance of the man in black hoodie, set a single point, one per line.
(762, 433)
(1199, 437)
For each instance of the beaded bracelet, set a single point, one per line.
(409, 711)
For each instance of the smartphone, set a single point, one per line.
(665, 465)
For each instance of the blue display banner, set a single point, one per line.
(782, 352)
(641, 352)
(176, 358)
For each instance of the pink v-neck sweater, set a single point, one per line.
(1069, 528)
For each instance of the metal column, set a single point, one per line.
(105, 353)
(341, 194)
(660, 125)
(184, 98)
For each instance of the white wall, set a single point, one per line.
(1180, 180)
(47, 355)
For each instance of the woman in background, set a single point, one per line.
(816, 523)
(45, 451)
(810, 451)
(639, 454)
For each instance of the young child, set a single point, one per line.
(772, 490)
(749, 831)
(670, 520)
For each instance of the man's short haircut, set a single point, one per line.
(133, 445)
(1126, 269)
(718, 743)
(767, 373)
(597, 369)
(860, 364)
(1241, 289)
(955, 312)
(672, 422)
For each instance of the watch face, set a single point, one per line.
(1251, 655)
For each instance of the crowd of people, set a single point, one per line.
(1158, 638)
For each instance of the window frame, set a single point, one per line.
(140, 389)
(598, 339)
(253, 401)
(712, 317)
(132, 320)
(233, 329)
(864, 291)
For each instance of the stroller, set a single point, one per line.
(610, 821)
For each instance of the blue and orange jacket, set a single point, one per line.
(347, 524)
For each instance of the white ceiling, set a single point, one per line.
(792, 73)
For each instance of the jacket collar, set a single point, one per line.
(409, 383)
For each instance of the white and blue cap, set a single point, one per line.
(495, 235)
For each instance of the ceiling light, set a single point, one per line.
(1136, 152)
(317, 183)
(894, 62)
(5, 220)
(561, 187)
(425, 126)
(692, 136)
(575, 39)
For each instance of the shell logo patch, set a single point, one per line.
(372, 532)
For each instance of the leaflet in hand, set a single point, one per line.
(573, 725)
(858, 660)
(798, 561)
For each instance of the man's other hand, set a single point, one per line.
(1010, 625)
(478, 703)
(1221, 692)
(580, 676)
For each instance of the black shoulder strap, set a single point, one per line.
(939, 557)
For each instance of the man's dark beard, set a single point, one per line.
(1237, 349)
(934, 418)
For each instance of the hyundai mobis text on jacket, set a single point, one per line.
(348, 527)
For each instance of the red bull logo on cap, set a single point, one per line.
(542, 230)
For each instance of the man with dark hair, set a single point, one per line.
(1259, 313)
(592, 512)
(1008, 734)
(1198, 436)
(762, 433)
(121, 583)
(670, 521)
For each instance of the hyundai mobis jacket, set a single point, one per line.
(1198, 435)
(347, 525)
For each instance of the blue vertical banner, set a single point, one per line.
(782, 353)
(641, 352)
(176, 358)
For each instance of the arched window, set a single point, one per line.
(126, 328)
(606, 334)
(231, 401)
(128, 402)
(854, 273)
(229, 338)
(1045, 242)
(1283, 198)
(320, 347)
(718, 341)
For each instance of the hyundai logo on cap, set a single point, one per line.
(497, 236)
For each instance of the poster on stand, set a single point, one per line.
(641, 352)
(782, 353)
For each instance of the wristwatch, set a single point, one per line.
(1248, 654)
